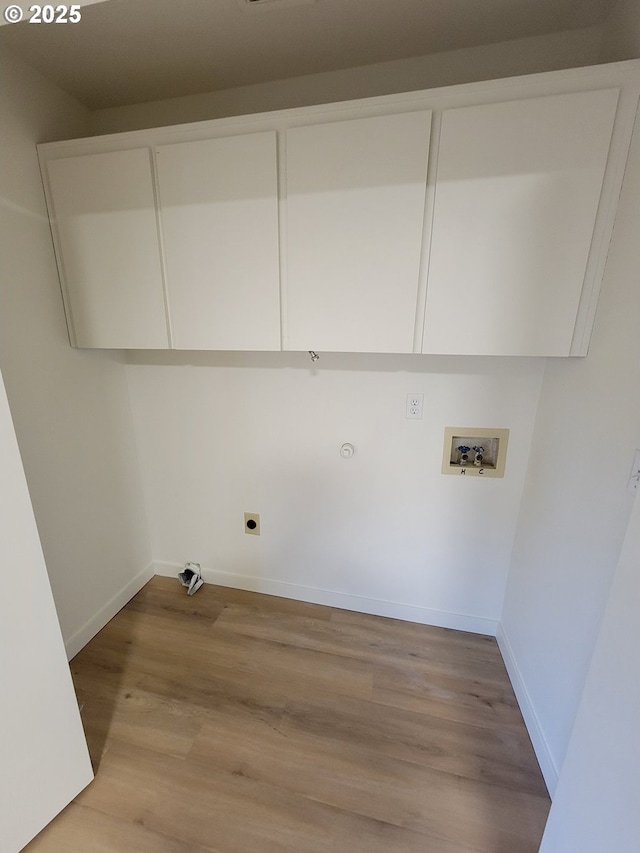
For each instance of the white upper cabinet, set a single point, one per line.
(355, 197)
(470, 220)
(104, 217)
(219, 218)
(517, 192)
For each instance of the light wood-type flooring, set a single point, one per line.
(242, 723)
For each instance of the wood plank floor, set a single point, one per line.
(234, 722)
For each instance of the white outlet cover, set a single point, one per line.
(414, 407)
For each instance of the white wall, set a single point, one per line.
(596, 803)
(45, 762)
(522, 56)
(70, 408)
(223, 434)
(575, 506)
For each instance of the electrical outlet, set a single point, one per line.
(415, 403)
(252, 523)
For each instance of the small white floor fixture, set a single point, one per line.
(191, 577)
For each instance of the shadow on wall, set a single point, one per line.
(333, 361)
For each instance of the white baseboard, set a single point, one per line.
(540, 745)
(342, 600)
(80, 639)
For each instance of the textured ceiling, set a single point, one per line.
(131, 51)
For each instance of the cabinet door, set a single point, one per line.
(517, 192)
(219, 214)
(355, 210)
(45, 762)
(108, 249)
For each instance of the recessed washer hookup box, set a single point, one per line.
(475, 451)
